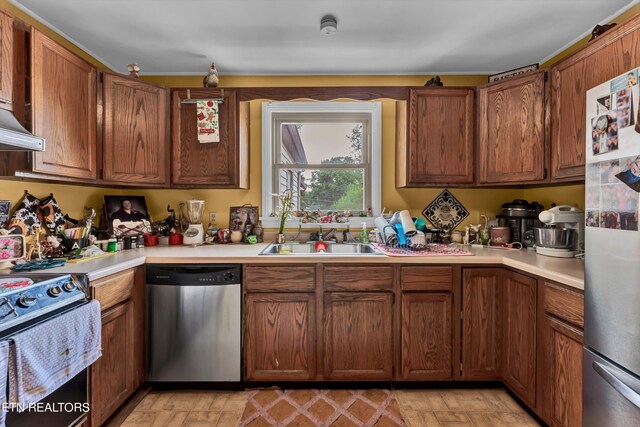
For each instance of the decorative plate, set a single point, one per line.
(445, 211)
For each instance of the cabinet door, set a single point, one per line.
(441, 136)
(427, 336)
(480, 323)
(63, 91)
(519, 335)
(564, 366)
(135, 140)
(112, 375)
(214, 165)
(512, 130)
(357, 335)
(6, 61)
(614, 53)
(280, 336)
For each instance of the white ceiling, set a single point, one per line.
(282, 37)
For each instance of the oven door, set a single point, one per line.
(67, 406)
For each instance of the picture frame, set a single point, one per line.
(127, 215)
(241, 216)
(5, 213)
(513, 73)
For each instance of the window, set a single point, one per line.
(327, 153)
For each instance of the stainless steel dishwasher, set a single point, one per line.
(194, 323)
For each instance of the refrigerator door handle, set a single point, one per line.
(617, 384)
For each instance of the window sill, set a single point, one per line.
(294, 223)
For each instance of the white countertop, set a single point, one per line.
(566, 271)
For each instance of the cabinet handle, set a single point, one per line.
(617, 384)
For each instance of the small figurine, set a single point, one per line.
(435, 81)
(211, 79)
(599, 30)
(134, 70)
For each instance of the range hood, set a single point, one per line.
(13, 137)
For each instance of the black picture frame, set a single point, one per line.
(124, 219)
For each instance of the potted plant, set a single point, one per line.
(284, 211)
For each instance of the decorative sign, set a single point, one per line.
(513, 73)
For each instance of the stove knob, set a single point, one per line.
(55, 291)
(69, 286)
(27, 300)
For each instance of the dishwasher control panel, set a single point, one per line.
(194, 274)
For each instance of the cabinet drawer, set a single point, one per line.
(427, 279)
(113, 289)
(285, 278)
(564, 303)
(358, 278)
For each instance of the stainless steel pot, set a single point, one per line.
(556, 238)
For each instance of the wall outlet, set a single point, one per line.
(212, 217)
(479, 218)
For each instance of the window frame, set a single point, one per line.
(275, 113)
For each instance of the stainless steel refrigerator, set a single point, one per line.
(612, 255)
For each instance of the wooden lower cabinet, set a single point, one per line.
(112, 375)
(480, 323)
(519, 335)
(565, 366)
(427, 336)
(560, 356)
(280, 336)
(115, 376)
(358, 335)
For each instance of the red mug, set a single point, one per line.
(175, 239)
(150, 239)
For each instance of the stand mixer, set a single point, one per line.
(194, 235)
(563, 235)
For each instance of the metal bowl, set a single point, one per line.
(556, 238)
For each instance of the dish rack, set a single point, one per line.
(424, 246)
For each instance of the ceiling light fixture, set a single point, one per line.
(328, 25)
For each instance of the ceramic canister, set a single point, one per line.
(499, 236)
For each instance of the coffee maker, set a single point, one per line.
(563, 234)
(521, 217)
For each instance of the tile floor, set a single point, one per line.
(419, 408)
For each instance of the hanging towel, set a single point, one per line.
(48, 355)
(4, 367)
(208, 125)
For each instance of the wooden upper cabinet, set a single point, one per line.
(427, 336)
(612, 54)
(480, 323)
(519, 335)
(511, 145)
(63, 97)
(223, 164)
(437, 147)
(135, 132)
(6, 61)
(358, 335)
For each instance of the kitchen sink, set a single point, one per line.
(296, 248)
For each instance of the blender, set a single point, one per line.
(194, 234)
